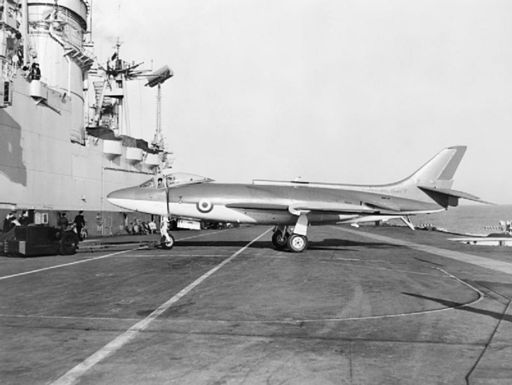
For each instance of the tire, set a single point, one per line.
(68, 243)
(167, 244)
(297, 243)
(279, 240)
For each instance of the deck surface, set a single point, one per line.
(368, 306)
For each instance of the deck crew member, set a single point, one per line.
(63, 222)
(35, 72)
(152, 227)
(79, 222)
(8, 224)
(24, 218)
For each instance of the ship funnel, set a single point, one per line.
(159, 76)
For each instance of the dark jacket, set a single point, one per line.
(79, 221)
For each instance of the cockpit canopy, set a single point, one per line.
(174, 179)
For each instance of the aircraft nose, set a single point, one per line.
(122, 198)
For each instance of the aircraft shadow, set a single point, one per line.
(240, 244)
(326, 244)
(460, 306)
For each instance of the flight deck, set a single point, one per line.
(376, 305)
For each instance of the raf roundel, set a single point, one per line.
(204, 206)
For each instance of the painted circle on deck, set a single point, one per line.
(205, 206)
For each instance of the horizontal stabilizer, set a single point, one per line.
(453, 193)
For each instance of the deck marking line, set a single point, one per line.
(74, 374)
(91, 259)
(502, 267)
(420, 312)
(58, 317)
(65, 264)
(180, 239)
(173, 256)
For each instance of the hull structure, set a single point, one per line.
(42, 170)
(48, 162)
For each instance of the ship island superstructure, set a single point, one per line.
(62, 143)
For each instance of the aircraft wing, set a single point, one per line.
(340, 208)
(328, 207)
(257, 206)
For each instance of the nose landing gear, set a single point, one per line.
(167, 240)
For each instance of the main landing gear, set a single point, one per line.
(295, 240)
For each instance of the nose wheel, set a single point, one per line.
(167, 241)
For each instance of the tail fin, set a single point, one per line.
(435, 179)
(438, 172)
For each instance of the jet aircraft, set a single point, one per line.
(291, 206)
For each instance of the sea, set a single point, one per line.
(468, 219)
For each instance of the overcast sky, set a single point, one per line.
(334, 91)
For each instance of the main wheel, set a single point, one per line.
(167, 243)
(297, 243)
(279, 240)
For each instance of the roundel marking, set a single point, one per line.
(205, 206)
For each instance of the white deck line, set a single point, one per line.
(487, 263)
(64, 265)
(169, 256)
(73, 375)
(92, 259)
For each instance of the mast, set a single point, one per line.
(24, 29)
(157, 78)
(158, 140)
(90, 21)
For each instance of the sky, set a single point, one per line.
(334, 91)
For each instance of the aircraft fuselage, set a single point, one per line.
(297, 204)
(249, 203)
